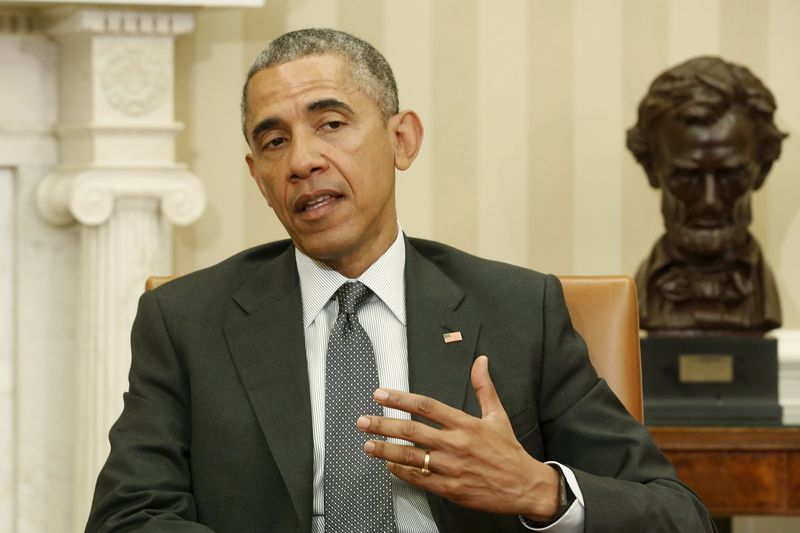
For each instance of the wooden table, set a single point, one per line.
(737, 470)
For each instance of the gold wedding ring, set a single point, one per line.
(425, 470)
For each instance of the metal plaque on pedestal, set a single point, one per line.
(710, 381)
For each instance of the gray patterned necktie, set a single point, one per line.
(358, 492)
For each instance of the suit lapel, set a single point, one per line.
(268, 349)
(435, 368)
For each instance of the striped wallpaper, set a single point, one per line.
(525, 105)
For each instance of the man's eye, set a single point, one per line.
(274, 143)
(334, 124)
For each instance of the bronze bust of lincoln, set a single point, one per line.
(705, 136)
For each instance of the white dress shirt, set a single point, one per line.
(384, 320)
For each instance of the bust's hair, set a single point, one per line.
(369, 70)
(701, 91)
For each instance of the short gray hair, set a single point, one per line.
(369, 69)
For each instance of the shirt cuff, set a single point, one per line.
(571, 521)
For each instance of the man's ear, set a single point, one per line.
(251, 166)
(407, 130)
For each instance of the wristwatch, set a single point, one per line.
(565, 500)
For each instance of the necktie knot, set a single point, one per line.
(351, 296)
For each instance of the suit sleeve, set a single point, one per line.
(145, 485)
(627, 484)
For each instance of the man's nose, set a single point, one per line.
(305, 156)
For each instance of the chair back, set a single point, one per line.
(604, 311)
(156, 281)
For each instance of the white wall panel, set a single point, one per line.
(312, 14)
(7, 351)
(598, 137)
(783, 225)
(503, 132)
(412, 62)
(694, 28)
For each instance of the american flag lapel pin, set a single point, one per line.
(452, 336)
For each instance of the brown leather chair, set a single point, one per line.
(604, 311)
(156, 281)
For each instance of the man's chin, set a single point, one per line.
(319, 249)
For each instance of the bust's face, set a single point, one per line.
(706, 173)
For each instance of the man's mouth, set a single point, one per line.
(318, 202)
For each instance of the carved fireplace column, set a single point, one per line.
(118, 179)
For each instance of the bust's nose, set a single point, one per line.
(709, 210)
(710, 190)
(711, 197)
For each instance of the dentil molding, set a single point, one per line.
(18, 22)
(106, 16)
(127, 21)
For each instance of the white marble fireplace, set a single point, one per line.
(89, 192)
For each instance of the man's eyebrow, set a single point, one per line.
(265, 125)
(318, 105)
(328, 103)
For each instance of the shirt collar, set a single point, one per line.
(385, 277)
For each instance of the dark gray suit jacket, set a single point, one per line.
(216, 430)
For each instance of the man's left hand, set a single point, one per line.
(474, 462)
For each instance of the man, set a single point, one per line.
(231, 423)
(706, 137)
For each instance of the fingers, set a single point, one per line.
(408, 463)
(484, 388)
(443, 485)
(408, 430)
(415, 476)
(475, 462)
(404, 455)
(433, 410)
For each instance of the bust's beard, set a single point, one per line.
(707, 242)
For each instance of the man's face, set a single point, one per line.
(707, 173)
(324, 159)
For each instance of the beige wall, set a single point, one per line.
(525, 105)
